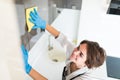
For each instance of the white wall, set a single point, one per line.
(98, 26)
(11, 64)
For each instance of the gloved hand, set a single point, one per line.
(37, 20)
(25, 57)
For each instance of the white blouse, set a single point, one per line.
(69, 47)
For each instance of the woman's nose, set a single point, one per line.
(77, 53)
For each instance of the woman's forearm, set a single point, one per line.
(36, 76)
(52, 30)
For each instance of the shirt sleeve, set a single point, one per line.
(67, 45)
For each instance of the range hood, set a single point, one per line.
(114, 7)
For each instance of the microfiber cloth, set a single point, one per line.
(29, 24)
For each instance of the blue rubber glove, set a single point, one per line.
(25, 57)
(37, 20)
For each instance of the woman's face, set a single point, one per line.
(79, 56)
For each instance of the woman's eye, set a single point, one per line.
(81, 54)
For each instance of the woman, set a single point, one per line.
(79, 60)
